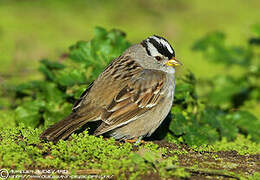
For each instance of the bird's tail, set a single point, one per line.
(64, 128)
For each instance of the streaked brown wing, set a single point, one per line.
(101, 91)
(77, 104)
(139, 95)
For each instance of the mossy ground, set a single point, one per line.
(22, 153)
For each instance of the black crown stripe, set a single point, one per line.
(144, 44)
(161, 48)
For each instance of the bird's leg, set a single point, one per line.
(130, 140)
(136, 141)
(139, 140)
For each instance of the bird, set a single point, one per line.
(130, 98)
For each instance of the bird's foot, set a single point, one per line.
(136, 141)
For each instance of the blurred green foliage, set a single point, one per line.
(194, 122)
(229, 91)
(197, 123)
(31, 30)
(255, 40)
(49, 100)
(222, 113)
(215, 49)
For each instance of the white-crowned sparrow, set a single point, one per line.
(131, 97)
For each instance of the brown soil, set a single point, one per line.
(212, 165)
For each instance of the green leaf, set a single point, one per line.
(70, 77)
(178, 124)
(28, 89)
(29, 113)
(47, 67)
(215, 39)
(228, 128)
(56, 112)
(100, 33)
(200, 134)
(52, 64)
(247, 123)
(225, 89)
(210, 116)
(50, 92)
(215, 49)
(98, 52)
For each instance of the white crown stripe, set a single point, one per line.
(152, 49)
(168, 47)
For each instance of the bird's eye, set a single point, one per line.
(158, 58)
